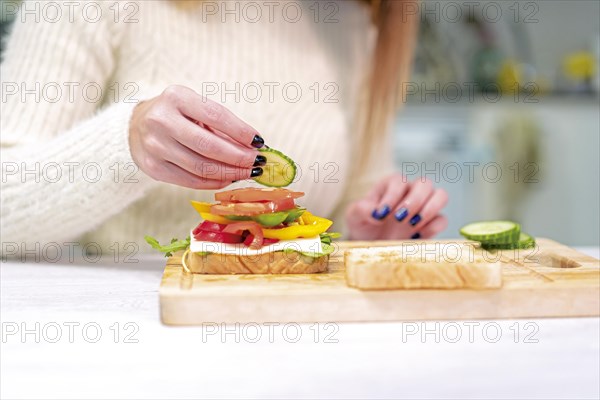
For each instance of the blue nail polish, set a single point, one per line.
(401, 214)
(415, 220)
(381, 213)
(416, 236)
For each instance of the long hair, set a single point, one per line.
(397, 25)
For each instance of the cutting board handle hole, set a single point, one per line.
(558, 261)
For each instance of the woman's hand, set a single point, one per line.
(398, 209)
(183, 138)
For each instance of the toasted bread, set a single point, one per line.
(278, 262)
(426, 265)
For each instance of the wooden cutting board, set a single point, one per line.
(560, 282)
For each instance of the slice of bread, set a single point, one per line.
(424, 265)
(278, 262)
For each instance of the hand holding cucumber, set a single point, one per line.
(398, 209)
(182, 138)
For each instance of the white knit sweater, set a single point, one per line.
(67, 172)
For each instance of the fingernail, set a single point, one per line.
(416, 236)
(381, 213)
(258, 142)
(415, 220)
(401, 214)
(258, 171)
(260, 161)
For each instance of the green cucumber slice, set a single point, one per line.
(294, 214)
(279, 171)
(238, 217)
(491, 231)
(525, 242)
(508, 239)
(271, 219)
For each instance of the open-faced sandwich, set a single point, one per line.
(254, 231)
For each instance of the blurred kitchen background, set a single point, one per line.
(514, 87)
(510, 88)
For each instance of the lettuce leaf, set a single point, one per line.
(326, 250)
(326, 237)
(168, 249)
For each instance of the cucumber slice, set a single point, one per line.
(279, 171)
(271, 219)
(508, 239)
(237, 217)
(525, 242)
(491, 231)
(294, 214)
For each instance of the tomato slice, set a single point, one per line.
(248, 209)
(249, 195)
(208, 226)
(219, 237)
(255, 231)
(250, 238)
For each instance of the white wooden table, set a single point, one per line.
(112, 345)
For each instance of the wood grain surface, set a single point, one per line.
(552, 280)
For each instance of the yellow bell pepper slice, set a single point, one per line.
(201, 207)
(204, 211)
(313, 226)
(216, 218)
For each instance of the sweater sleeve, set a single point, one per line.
(66, 163)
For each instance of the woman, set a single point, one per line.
(115, 114)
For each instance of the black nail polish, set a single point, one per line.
(401, 214)
(381, 213)
(415, 220)
(416, 236)
(258, 171)
(260, 161)
(258, 142)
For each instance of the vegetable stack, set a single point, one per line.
(256, 217)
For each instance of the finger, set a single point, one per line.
(218, 117)
(420, 191)
(378, 196)
(396, 189)
(215, 131)
(360, 212)
(377, 190)
(171, 173)
(380, 187)
(435, 226)
(201, 166)
(431, 208)
(212, 146)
